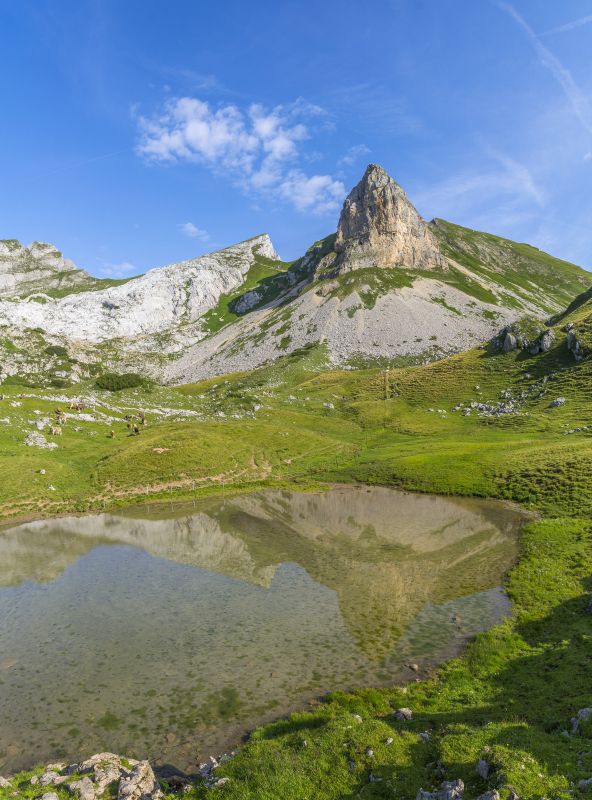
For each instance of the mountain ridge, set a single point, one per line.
(387, 287)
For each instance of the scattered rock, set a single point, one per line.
(140, 784)
(414, 667)
(84, 788)
(449, 790)
(492, 794)
(543, 344)
(586, 783)
(510, 342)
(482, 768)
(390, 740)
(49, 796)
(583, 715)
(574, 345)
(404, 714)
(370, 752)
(36, 439)
(4, 783)
(106, 767)
(559, 401)
(425, 736)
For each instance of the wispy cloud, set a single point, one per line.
(569, 26)
(579, 101)
(353, 155)
(193, 232)
(122, 270)
(517, 177)
(259, 148)
(497, 198)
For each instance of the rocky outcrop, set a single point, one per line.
(90, 779)
(574, 345)
(36, 267)
(379, 227)
(510, 342)
(161, 300)
(543, 344)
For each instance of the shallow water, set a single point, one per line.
(168, 634)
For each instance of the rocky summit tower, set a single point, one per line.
(379, 227)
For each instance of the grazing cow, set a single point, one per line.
(112, 434)
(55, 430)
(136, 430)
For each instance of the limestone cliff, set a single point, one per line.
(379, 227)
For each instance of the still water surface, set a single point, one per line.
(167, 634)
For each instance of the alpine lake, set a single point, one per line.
(168, 632)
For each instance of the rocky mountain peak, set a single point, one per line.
(35, 267)
(379, 227)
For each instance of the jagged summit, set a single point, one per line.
(39, 265)
(379, 227)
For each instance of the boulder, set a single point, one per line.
(583, 715)
(482, 768)
(84, 788)
(543, 344)
(404, 713)
(106, 768)
(574, 345)
(449, 790)
(140, 784)
(559, 401)
(510, 342)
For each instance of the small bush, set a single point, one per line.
(113, 382)
(56, 350)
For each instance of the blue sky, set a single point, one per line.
(134, 133)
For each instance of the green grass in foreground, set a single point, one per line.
(511, 696)
(508, 700)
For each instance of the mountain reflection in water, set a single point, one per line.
(156, 633)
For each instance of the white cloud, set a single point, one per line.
(122, 270)
(353, 155)
(318, 193)
(193, 232)
(579, 101)
(260, 149)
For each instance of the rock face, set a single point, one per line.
(379, 227)
(40, 265)
(157, 301)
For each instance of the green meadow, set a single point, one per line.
(510, 698)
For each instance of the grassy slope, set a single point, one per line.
(263, 272)
(518, 685)
(518, 267)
